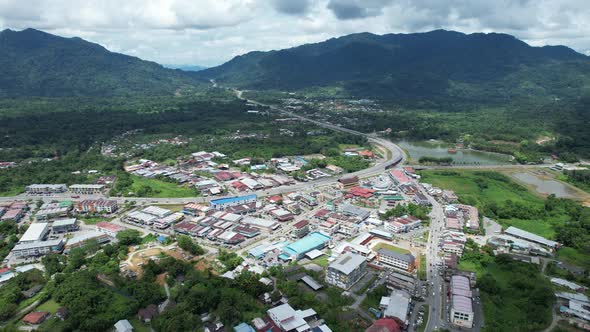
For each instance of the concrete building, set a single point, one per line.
(36, 232)
(43, 189)
(223, 203)
(461, 306)
(346, 270)
(97, 206)
(521, 234)
(300, 228)
(405, 262)
(39, 248)
(87, 189)
(81, 240)
(108, 228)
(64, 225)
(346, 183)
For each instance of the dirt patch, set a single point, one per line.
(161, 278)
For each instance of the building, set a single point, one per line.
(421, 199)
(223, 203)
(194, 209)
(165, 222)
(156, 211)
(346, 183)
(287, 319)
(267, 224)
(97, 206)
(64, 225)
(87, 189)
(405, 262)
(35, 232)
(138, 217)
(384, 325)
(298, 249)
(43, 189)
(39, 248)
(346, 270)
(108, 228)
(396, 306)
(123, 326)
(351, 210)
(399, 177)
(35, 317)
(521, 234)
(300, 229)
(461, 306)
(82, 239)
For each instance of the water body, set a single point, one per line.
(546, 187)
(438, 149)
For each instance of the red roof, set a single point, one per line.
(109, 226)
(366, 153)
(361, 192)
(4, 270)
(349, 180)
(409, 170)
(36, 317)
(400, 176)
(384, 325)
(321, 213)
(301, 224)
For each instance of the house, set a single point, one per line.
(123, 326)
(87, 189)
(35, 317)
(384, 325)
(148, 313)
(62, 313)
(287, 319)
(29, 293)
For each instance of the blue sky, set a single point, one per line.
(210, 32)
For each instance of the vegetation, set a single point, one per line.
(11, 292)
(579, 178)
(383, 245)
(8, 231)
(434, 160)
(187, 244)
(230, 260)
(515, 295)
(32, 64)
(419, 211)
(129, 237)
(505, 201)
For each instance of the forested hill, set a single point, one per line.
(436, 65)
(35, 63)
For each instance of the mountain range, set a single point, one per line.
(436, 65)
(35, 63)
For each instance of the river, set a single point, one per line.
(546, 187)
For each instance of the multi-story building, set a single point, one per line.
(97, 206)
(109, 229)
(35, 233)
(64, 225)
(300, 228)
(87, 189)
(346, 270)
(461, 306)
(405, 262)
(37, 248)
(46, 189)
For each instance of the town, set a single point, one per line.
(389, 234)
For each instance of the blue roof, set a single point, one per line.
(232, 199)
(312, 241)
(243, 327)
(258, 251)
(162, 238)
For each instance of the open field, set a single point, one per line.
(383, 245)
(159, 188)
(49, 306)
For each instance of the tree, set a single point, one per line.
(129, 237)
(187, 244)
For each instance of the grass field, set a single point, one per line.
(171, 207)
(92, 220)
(159, 188)
(484, 189)
(573, 256)
(422, 268)
(49, 306)
(382, 245)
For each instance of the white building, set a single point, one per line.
(35, 232)
(405, 262)
(346, 270)
(286, 318)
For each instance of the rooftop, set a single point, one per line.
(530, 236)
(34, 232)
(347, 263)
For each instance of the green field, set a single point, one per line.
(49, 306)
(422, 268)
(490, 191)
(159, 188)
(382, 245)
(422, 326)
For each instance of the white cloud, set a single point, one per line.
(209, 32)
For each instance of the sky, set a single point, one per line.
(210, 32)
